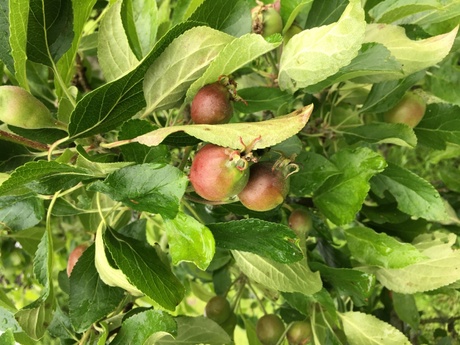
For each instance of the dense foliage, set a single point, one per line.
(337, 124)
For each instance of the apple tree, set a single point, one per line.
(229, 172)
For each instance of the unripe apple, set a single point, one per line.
(269, 329)
(299, 333)
(266, 189)
(409, 110)
(212, 105)
(218, 173)
(20, 109)
(218, 309)
(300, 221)
(266, 19)
(74, 256)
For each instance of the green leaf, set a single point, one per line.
(97, 169)
(261, 98)
(21, 212)
(34, 319)
(379, 249)
(230, 16)
(113, 103)
(138, 153)
(304, 62)
(406, 309)
(267, 239)
(295, 277)
(315, 169)
(90, 299)
(7, 338)
(18, 21)
(413, 55)
(141, 326)
(189, 240)
(141, 21)
(29, 239)
(196, 330)
(235, 55)
(348, 282)
(380, 133)
(443, 79)
(385, 95)
(182, 62)
(49, 30)
(325, 12)
(365, 329)
(414, 195)
(65, 66)
(5, 48)
(395, 11)
(441, 269)
(145, 270)
(154, 188)
(238, 135)
(291, 9)
(373, 64)
(9, 322)
(341, 196)
(114, 52)
(43, 177)
(440, 125)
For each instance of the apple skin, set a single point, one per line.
(269, 329)
(218, 309)
(215, 173)
(299, 333)
(74, 256)
(300, 221)
(212, 105)
(409, 110)
(266, 188)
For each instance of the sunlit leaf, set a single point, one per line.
(314, 54)
(189, 240)
(237, 135)
(295, 277)
(413, 55)
(184, 61)
(365, 329)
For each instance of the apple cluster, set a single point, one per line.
(270, 329)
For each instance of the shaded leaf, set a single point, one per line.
(90, 299)
(348, 282)
(414, 195)
(154, 188)
(43, 177)
(380, 133)
(385, 95)
(315, 169)
(260, 98)
(267, 239)
(440, 125)
(21, 212)
(342, 196)
(144, 269)
(230, 16)
(49, 30)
